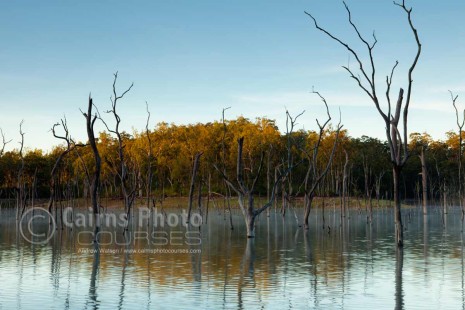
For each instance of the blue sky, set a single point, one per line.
(189, 59)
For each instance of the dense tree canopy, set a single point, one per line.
(174, 148)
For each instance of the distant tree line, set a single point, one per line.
(173, 149)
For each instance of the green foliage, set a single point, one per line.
(174, 148)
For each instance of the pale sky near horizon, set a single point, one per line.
(189, 59)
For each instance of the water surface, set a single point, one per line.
(348, 266)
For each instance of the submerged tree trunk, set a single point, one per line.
(344, 185)
(308, 207)
(195, 168)
(397, 214)
(398, 282)
(424, 181)
(95, 182)
(445, 198)
(250, 222)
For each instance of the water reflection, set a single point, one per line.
(352, 265)
(246, 279)
(92, 301)
(123, 276)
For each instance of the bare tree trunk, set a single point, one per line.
(378, 188)
(307, 212)
(20, 198)
(34, 188)
(283, 199)
(250, 218)
(228, 190)
(208, 196)
(344, 184)
(90, 121)
(275, 202)
(148, 190)
(399, 305)
(424, 181)
(268, 175)
(199, 201)
(397, 205)
(445, 198)
(223, 164)
(195, 168)
(460, 126)
(370, 218)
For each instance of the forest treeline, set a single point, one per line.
(166, 155)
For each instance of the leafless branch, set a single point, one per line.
(352, 51)
(369, 48)
(388, 88)
(260, 166)
(454, 100)
(4, 142)
(226, 179)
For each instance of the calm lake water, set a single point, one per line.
(354, 266)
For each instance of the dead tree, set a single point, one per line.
(95, 183)
(345, 184)
(424, 180)
(195, 169)
(4, 142)
(128, 191)
(367, 180)
(69, 146)
(21, 194)
(460, 125)
(245, 192)
(291, 122)
(378, 180)
(227, 196)
(398, 144)
(313, 177)
(150, 159)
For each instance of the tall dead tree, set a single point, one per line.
(21, 193)
(95, 183)
(128, 191)
(313, 176)
(460, 125)
(291, 122)
(424, 180)
(367, 171)
(345, 184)
(398, 143)
(227, 196)
(420, 146)
(150, 159)
(195, 169)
